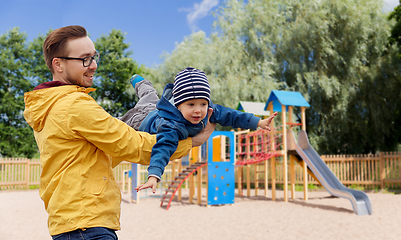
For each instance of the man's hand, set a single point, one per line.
(202, 136)
(152, 183)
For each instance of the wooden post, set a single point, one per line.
(266, 177)
(248, 180)
(199, 200)
(191, 188)
(256, 172)
(284, 122)
(27, 173)
(303, 118)
(173, 167)
(239, 172)
(305, 168)
(273, 159)
(248, 170)
(273, 172)
(207, 185)
(292, 161)
(179, 171)
(292, 173)
(382, 171)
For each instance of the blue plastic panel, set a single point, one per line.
(221, 179)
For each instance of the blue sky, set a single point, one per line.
(151, 26)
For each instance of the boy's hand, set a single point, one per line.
(152, 183)
(266, 122)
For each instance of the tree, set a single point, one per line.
(114, 71)
(15, 134)
(224, 62)
(22, 67)
(334, 52)
(395, 37)
(37, 70)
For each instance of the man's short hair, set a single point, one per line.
(55, 44)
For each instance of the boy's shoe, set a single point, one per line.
(135, 79)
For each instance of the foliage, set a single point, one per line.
(38, 71)
(16, 138)
(343, 56)
(224, 62)
(22, 67)
(334, 52)
(113, 74)
(395, 37)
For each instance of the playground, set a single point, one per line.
(218, 201)
(23, 218)
(229, 153)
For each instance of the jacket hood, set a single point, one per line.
(38, 103)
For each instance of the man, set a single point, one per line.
(80, 143)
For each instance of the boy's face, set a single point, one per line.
(194, 110)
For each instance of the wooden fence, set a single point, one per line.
(22, 173)
(370, 171)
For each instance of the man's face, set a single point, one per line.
(73, 70)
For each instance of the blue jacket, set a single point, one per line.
(170, 126)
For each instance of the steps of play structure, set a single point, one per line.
(177, 182)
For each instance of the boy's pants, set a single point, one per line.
(147, 102)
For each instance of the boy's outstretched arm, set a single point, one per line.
(266, 122)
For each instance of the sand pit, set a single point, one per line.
(321, 217)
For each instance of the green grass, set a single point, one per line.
(34, 186)
(311, 187)
(377, 189)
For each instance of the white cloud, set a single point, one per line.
(198, 11)
(389, 5)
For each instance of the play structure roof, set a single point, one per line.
(257, 108)
(285, 98)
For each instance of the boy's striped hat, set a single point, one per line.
(190, 83)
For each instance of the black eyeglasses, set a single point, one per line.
(87, 61)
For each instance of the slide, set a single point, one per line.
(359, 200)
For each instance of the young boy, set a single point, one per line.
(181, 112)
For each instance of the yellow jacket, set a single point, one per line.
(79, 144)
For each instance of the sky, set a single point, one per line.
(151, 27)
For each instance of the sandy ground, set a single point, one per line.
(22, 216)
